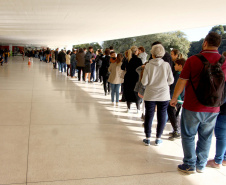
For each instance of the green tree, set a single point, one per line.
(119, 45)
(171, 40)
(95, 46)
(196, 46)
(219, 29)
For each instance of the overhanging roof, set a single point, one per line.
(67, 22)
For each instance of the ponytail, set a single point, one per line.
(119, 58)
(129, 54)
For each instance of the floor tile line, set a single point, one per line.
(107, 177)
(29, 133)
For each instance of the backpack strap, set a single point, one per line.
(222, 60)
(202, 58)
(204, 61)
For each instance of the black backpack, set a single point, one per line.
(210, 90)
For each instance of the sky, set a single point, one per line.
(196, 34)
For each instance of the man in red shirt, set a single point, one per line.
(195, 116)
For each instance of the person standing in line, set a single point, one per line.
(44, 55)
(88, 62)
(166, 57)
(173, 113)
(220, 133)
(80, 57)
(1, 53)
(68, 62)
(104, 71)
(93, 65)
(47, 55)
(85, 50)
(62, 60)
(6, 55)
(157, 77)
(98, 62)
(73, 63)
(142, 54)
(124, 60)
(1, 60)
(196, 117)
(115, 77)
(56, 59)
(53, 58)
(41, 54)
(175, 54)
(131, 77)
(140, 89)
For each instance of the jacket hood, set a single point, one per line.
(156, 61)
(143, 55)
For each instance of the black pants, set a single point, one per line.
(173, 114)
(161, 117)
(68, 67)
(138, 101)
(98, 76)
(79, 73)
(107, 85)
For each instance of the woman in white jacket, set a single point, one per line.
(157, 77)
(68, 62)
(115, 77)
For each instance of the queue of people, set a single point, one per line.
(4, 55)
(163, 83)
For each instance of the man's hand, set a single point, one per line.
(173, 102)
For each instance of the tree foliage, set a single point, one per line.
(170, 40)
(95, 46)
(196, 46)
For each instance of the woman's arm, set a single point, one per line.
(144, 79)
(170, 76)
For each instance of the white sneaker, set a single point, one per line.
(116, 103)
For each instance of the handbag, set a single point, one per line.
(123, 73)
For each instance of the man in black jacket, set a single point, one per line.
(56, 59)
(98, 62)
(88, 62)
(62, 61)
(73, 62)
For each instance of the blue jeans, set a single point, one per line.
(220, 133)
(64, 66)
(92, 77)
(59, 66)
(73, 66)
(192, 123)
(161, 117)
(115, 90)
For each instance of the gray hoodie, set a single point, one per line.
(157, 77)
(143, 57)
